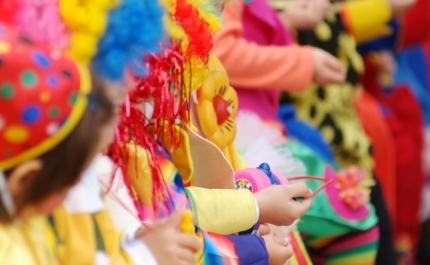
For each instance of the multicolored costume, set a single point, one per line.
(246, 32)
(112, 37)
(405, 104)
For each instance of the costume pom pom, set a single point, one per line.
(135, 29)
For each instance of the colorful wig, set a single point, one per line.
(134, 30)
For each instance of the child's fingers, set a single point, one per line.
(334, 64)
(299, 190)
(334, 77)
(280, 241)
(188, 241)
(264, 229)
(279, 251)
(186, 257)
(305, 205)
(335, 71)
(175, 220)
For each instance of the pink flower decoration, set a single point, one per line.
(348, 181)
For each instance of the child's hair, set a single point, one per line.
(63, 165)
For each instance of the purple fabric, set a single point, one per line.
(263, 26)
(249, 249)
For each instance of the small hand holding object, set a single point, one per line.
(170, 240)
(328, 69)
(277, 244)
(278, 204)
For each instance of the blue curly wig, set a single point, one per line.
(134, 29)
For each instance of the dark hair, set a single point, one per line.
(63, 165)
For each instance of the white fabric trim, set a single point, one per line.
(139, 253)
(257, 211)
(86, 196)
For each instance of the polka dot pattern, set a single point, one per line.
(28, 79)
(16, 134)
(52, 81)
(52, 128)
(54, 112)
(72, 98)
(45, 96)
(6, 91)
(36, 88)
(31, 114)
(41, 59)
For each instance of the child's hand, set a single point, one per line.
(277, 205)
(328, 69)
(282, 250)
(169, 245)
(277, 245)
(305, 14)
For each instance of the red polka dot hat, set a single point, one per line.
(42, 97)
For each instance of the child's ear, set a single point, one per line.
(22, 175)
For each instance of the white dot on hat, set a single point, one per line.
(52, 128)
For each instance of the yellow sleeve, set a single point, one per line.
(35, 231)
(81, 233)
(112, 239)
(222, 211)
(366, 19)
(75, 233)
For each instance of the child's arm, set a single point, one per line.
(285, 68)
(246, 249)
(232, 211)
(223, 211)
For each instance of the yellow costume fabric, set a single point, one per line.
(26, 244)
(330, 108)
(223, 211)
(86, 234)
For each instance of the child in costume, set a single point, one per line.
(52, 115)
(246, 30)
(399, 58)
(143, 181)
(82, 225)
(341, 124)
(327, 113)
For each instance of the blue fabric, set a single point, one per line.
(305, 133)
(134, 29)
(385, 43)
(417, 61)
(412, 70)
(250, 249)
